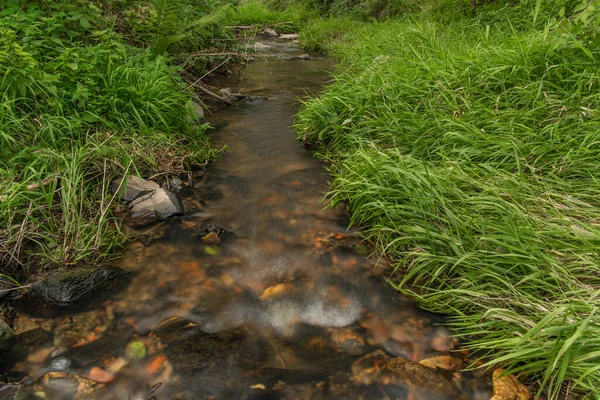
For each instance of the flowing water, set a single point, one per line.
(282, 308)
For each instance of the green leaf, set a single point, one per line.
(136, 351)
(84, 23)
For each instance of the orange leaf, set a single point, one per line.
(100, 375)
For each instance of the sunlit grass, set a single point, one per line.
(469, 154)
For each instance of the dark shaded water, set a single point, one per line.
(281, 309)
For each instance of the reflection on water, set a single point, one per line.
(282, 308)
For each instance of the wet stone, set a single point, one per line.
(508, 387)
(69, 285)
(61, 364)
(378, 367)
(190, 349)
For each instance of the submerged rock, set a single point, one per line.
(69, 285)
(6, 333)
(132, 187)
(446, 363)
(190, 349)
(378, 367)
(302, 57)
(508, 387)
(158, 205)
(255, 99)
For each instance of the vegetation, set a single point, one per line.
(90, 90)
(466, 146)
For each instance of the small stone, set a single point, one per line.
(303, 57)
(289, 36)
(212, 228)
(225, 92)
(443, 340)
(280, 385)
(259, 386)
(508, 387)
(61, 364)
(227, 279)
(447, 363)
(378, 367)
(270, 32)
(174, 184)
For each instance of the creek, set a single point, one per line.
(286, 306)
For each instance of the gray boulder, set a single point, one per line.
(69, 285)
(132, 188)
(158, 205)
(5, 334)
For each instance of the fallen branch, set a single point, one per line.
(208, 92)
(45, 182)
(208, 73)
(242, 27)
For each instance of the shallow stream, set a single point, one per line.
(283, 308)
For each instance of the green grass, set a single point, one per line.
(78, 107)
(286, 20)
(469, 154)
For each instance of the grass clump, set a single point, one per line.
(469, 153)
(79, 106)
